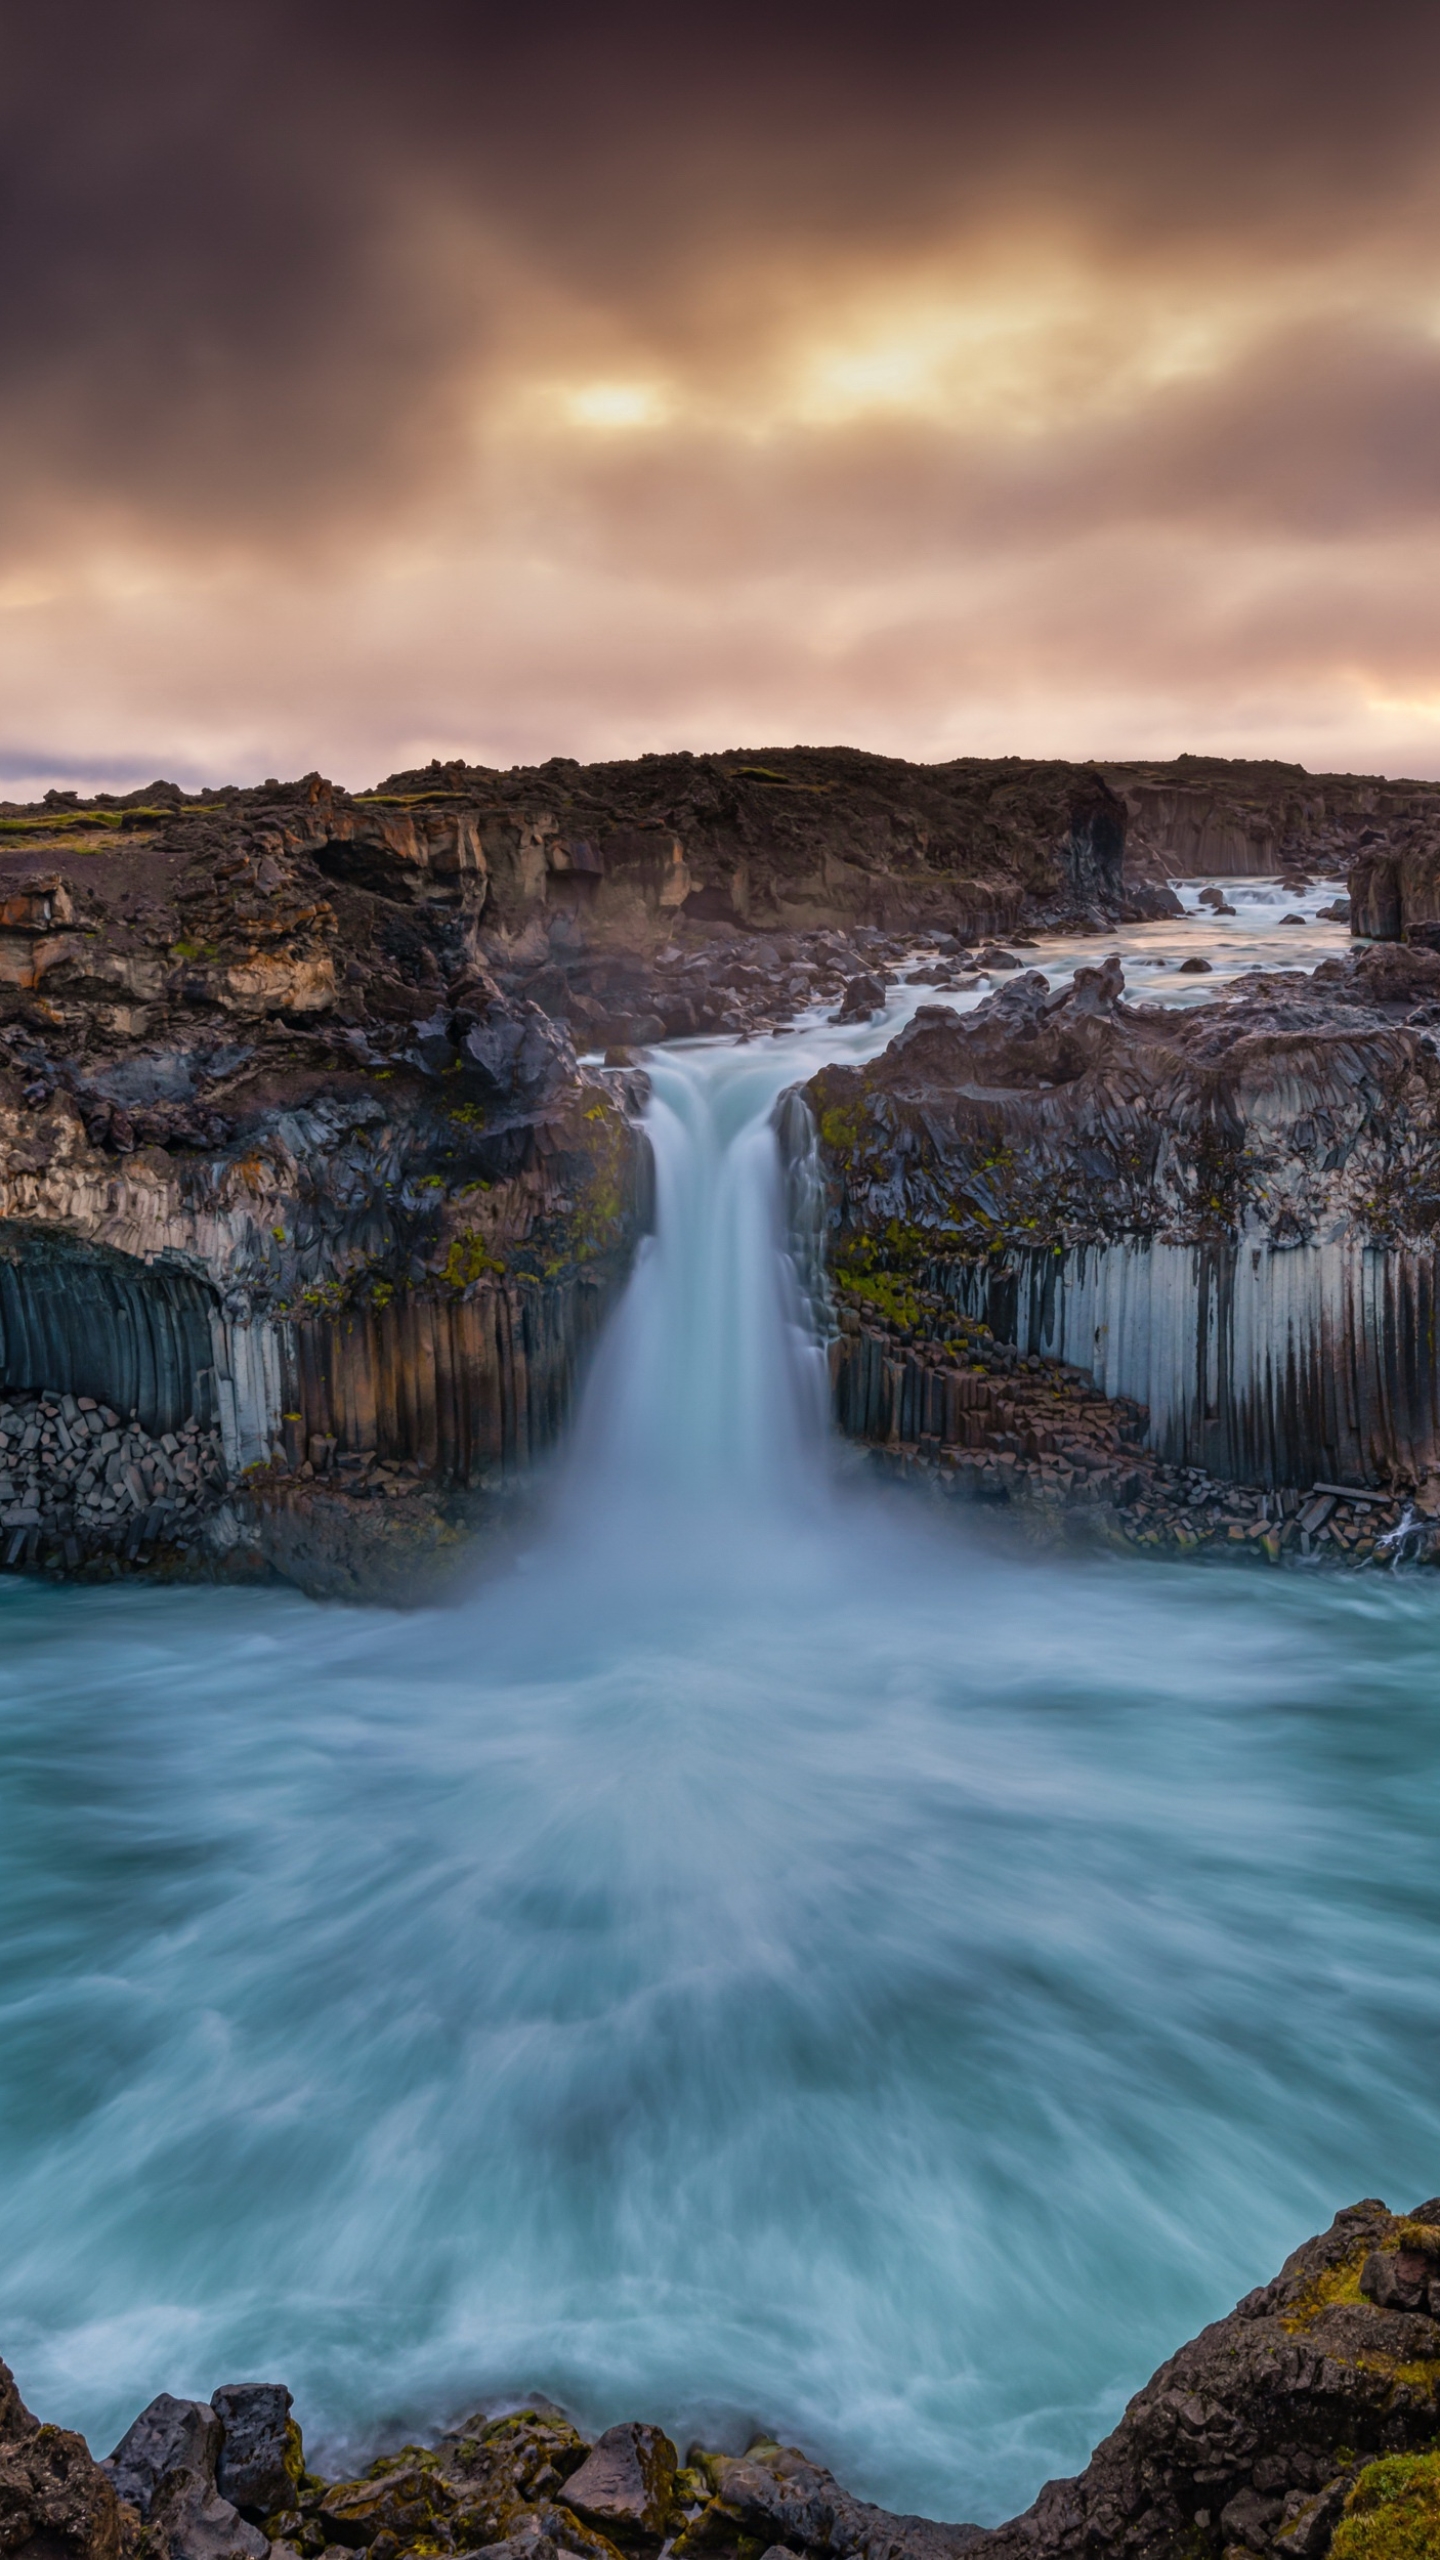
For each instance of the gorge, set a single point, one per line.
(755, 1957)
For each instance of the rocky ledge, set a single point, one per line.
(1224, 1216)
(1303, 2425)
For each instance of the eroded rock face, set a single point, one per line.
(285, 1175)
(1256, 2431)
(55, 2502)
(1228, 1214)
(1238, 816)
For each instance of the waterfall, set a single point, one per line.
(769, 1960)
(710, 1391)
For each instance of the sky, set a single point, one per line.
(380, 382)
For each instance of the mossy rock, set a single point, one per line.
(1393, 2511)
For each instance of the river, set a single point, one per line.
(770, 1958)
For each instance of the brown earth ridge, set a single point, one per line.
(304, 1194)
(1302, 2425)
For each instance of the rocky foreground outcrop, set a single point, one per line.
(1299, 2427)
(1227, 1216)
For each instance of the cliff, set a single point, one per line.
(281, 1161)
(298, 1167)
(1227, 1215)
(1300, 2426)
(1229, 816)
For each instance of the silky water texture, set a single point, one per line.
(775, 1958)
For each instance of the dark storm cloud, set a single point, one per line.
(257, 252)
(495, 378)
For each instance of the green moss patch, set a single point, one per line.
(1393, 2511)
(1335, 2284)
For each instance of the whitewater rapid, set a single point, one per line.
(765, 1960)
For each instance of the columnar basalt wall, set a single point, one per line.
(87, 1321)
(1269, 1365)
(469, 1385)
(398, 1257)
(1229, 1216)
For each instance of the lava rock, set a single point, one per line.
(518, 1058)
(260, 2458)
(624, 2485)
(168, 2438)
(1195, 967)
(1406, 2277)
(863, 998)
(56, 2502)
(406, 2502)
(165, 2466)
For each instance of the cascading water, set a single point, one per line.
(768, 1960)
(710, 1391)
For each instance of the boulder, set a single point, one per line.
(261, 2458)
(864, 997)
(165, 2467)
(624, 2485)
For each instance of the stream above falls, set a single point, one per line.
(769, 1959)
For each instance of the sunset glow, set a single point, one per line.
(1076, 397)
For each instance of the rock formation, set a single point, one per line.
(284, 1173)
(1235, 817)
(1226, 1215)
(297, 1161)
(1284, 2430)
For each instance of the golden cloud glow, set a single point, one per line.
(617, 407)
(978, 388)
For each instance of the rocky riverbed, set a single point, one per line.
(1301, 2426)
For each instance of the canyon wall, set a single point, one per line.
(1229, 818)
(279, 1159)
(295, 1148)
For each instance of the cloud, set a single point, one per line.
(376, 383)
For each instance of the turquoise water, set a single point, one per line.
(769, 1960)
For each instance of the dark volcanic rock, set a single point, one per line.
(1240, 2436)
(624, 2484)
(1239, 1202)
(260, 2458)
(165, 2467)
(864, 996)
(1306, 2404)
(55, 2502)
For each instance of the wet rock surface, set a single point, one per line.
(1277, 2431)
